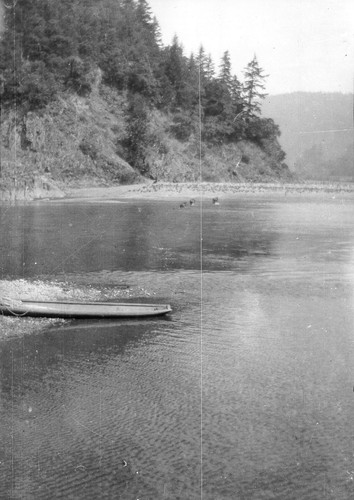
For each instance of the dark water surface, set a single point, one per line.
(244, 392)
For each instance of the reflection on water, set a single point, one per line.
(64, 238)
(246, 391)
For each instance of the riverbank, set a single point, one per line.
(166, 190)
(14, 326)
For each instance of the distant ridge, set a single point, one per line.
(317, 132)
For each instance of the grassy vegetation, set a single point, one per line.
(73, 139)
(80, 141)
(89, 95)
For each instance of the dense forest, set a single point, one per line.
(52, 49)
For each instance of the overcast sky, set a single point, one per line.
(303, 45)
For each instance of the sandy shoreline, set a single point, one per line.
(176, 191)
(33, 289)
(162, 191)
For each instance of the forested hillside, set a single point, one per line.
(317, 132)
(88, 90)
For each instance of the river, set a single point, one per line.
(244, 392)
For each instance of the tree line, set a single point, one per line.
(49, 47)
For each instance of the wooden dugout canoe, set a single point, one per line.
(71, 309)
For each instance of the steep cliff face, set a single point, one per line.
(80, 141)
(73, 140)
(243, 161)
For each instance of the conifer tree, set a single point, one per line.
(225, 81)
(225, 76)
(192, 85)
(201, 77)
(175, 68)
(143, 12)
(253, 88)
(202, 64)
(236, 97)
(157, 32)
(209, 68)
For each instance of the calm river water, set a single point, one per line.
(244, 392)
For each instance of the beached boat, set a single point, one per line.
(70, 309)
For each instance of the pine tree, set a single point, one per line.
(192, 89)
(225, 81)
(176, 69)
(225, 76)
(253, 88)
(236, 97)
(201, 60)
(157, 32)
(143, 12)
(209, 68)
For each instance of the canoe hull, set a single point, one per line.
(80, 309)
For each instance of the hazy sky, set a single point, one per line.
(302, 44)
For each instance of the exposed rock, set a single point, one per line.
(79, 140)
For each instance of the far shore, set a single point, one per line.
(168, 190)
(183, 191)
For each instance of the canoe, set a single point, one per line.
(70, 309)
